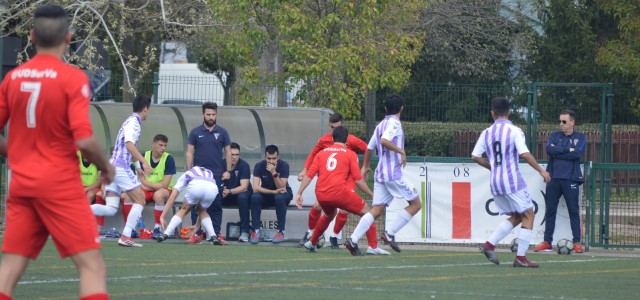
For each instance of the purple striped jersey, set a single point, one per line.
(129, 132)
(199, 173)
(503, 143)
(389, 162)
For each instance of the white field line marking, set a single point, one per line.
(213, 274)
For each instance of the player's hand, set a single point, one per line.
(301, 175)
(147, 169)
(364, 171)
(404, 159)
(192, 230)
(271, 168)
(106, 176)
(281, 190)
(546, 176)
(225, 192)
(299, 201)
(226, 175)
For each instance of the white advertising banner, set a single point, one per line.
(457, 205)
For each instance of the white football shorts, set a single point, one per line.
(517, 202)
(124, 180)
(384, 192)
(203, 192)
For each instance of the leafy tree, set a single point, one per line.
(338, 50)
(622, 52)
(130, 31)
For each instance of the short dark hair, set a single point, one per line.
(340, 134)
(571, 113)
(140, 102)
(500, 106)
(209, 105)
(335, 117)
(393, 103)
(271, 149)
(160, 137)
(235, 145)
(50, 25)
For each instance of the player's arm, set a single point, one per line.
(355, 143)
(478, 150)
(356, 176)
(282, 178)
(4, 116)
(306, 180)
(188, 156)
(131, 147)
(482, 162)
(575, 152)
(307, 163)
(533, 163)
(3, 146)
(391, 146)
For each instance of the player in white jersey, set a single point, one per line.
(201, 192)
(388, 139)
(504, 144)
(125, 180)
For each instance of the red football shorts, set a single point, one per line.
(148, 195)
(30, 221)
(347, 200)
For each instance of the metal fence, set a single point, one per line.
(445, 120)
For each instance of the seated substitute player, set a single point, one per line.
(355, 144)
(157, 185)
(271, 188)
(92, 185)
(238, 191)
(336, 165)
(201, 192)
(504, 144)
(125, 181)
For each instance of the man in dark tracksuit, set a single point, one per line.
(564, 147)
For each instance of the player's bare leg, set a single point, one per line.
(92, 272)
(402, 219)
(137, 196)
(11, 270)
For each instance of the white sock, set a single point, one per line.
(132, 219)
(502, 230)
(524, 239)
(363, 226)
(208, 227)
(173, 224)
(403, 218)
(103, 210)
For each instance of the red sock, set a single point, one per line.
(126, 209)
(372, 236)
(97, 296)
(100, 219)
(341, 219)
(5, 297)
(314, 215)
(156, 215)
(322, 225)
(489, 246)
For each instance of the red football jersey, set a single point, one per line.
(353, 143)
(336, 166)
(46, 102)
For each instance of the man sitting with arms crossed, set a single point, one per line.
(238, 191)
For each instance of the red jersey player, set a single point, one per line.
(336, 165)
(46, 103)
(355, 144)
